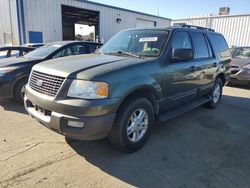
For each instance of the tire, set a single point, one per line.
(18, 91)
(127, 135)
(70, 140)
(216, 94)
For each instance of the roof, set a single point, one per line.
(122, 9)
(175, 27)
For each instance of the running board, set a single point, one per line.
(183, 109)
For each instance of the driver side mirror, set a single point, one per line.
(181, 54)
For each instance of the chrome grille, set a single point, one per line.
(45, 83)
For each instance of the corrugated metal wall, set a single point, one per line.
(8, 22)
(236, 29)
(45, 16)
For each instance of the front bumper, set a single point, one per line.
(240, 76)
(97, 115)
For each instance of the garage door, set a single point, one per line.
(144, 23)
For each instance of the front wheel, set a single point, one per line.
(132, 125)
(215, 94)
(19, 91)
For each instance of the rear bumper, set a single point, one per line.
(96, 126)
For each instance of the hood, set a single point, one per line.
(78, 66)
(12, 61)
(239, 62)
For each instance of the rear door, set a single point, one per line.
(205, 62)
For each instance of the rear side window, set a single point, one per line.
(201, 46)
(14, 53)
(220, 45)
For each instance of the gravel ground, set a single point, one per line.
(202, 148)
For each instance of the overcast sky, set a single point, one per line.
(180, 8)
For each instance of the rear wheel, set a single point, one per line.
(216, 94)
(132, 125)
(18, 94)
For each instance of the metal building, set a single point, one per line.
(27, 21)
(235, 28)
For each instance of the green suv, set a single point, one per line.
(137, 78)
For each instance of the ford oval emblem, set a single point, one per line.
(39, 83)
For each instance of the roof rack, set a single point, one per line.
(195, 27)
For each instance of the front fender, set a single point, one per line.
(19, 75)
(138, 82)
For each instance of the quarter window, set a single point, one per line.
(201, 46)
(3, 54)
(221, 45)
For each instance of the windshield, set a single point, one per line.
(241, 53)
(44, 51)
(140, 42)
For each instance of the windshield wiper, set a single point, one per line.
(129, 54)
(125, 53)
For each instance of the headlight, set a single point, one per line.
(247, 66)
(5, 70)
(88, 90)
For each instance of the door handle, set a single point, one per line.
(193, 68)
(215, 64)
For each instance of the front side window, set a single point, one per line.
(79, 49)
(201, 46)
(181, 40)
(93, 47)
(63, 52)
(140, 42)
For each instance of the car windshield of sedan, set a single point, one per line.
(241, 53)
(147, 42)
(43, 52)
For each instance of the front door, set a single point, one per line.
(179, 85)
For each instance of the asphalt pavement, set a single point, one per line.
(202, 148)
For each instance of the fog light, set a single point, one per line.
(76, 124)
